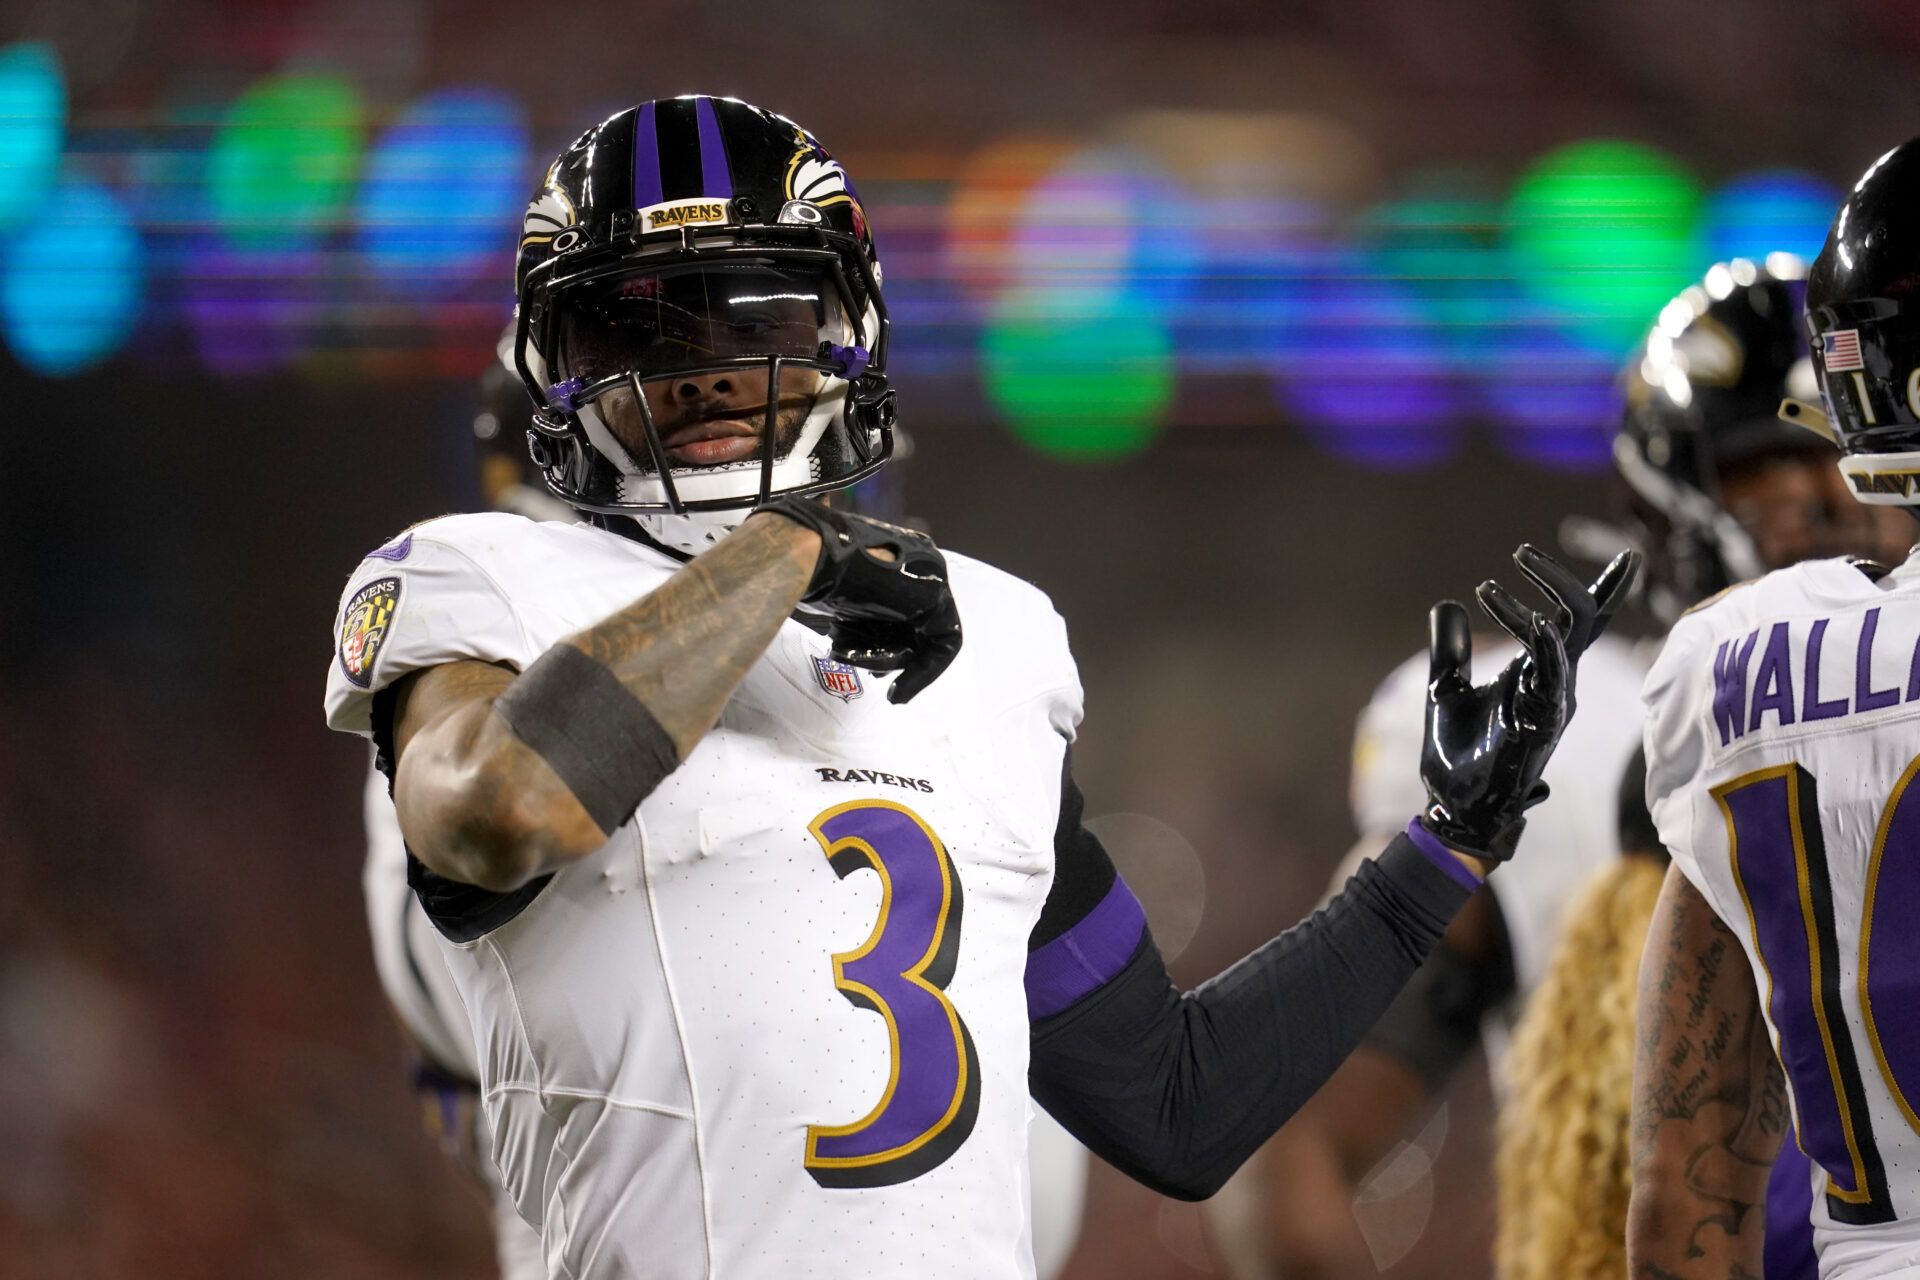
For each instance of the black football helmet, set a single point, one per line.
(1702, 393)
(508, 479)
(695, 237)
(1863, 311)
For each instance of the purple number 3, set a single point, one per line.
(901, 972)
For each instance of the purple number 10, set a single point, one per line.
(1779, 858)
(900, 972)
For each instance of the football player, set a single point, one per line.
(420, 989)
(642, 763)
(1718, 490)
(1781, 738)
(1723, 489)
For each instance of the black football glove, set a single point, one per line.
(891, 611)
(1486, 747)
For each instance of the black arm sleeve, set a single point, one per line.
(1434, 1023)
(1177, 1090)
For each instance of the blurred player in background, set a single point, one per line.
(1781, 739)
(418, 986)
(605, 740)
(1718, 489)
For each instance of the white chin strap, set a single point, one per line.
(638, 484)
(1883, 479)
(694, 532)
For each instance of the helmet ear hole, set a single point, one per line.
(537, 450)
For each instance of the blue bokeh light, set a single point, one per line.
(1550, 395)
(442, 191)
(1368, 374)
(33, 115)
(1771, 211)
(71, 283)
(1247, 301)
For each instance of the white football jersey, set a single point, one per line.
(777, 1025)
(1569, 836)
(414, 975)
(1783, 730)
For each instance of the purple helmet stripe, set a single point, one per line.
(646, 160)
(716, 176)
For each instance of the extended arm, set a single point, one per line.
(1177, 1089)
(480, 805)
(1709, 1102)
(1299, 1218)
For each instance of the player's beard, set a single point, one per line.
(790, 419)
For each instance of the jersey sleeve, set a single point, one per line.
(1674, 743)
(1022, 659)
(416, 603)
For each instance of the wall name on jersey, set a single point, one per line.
(1747, 688)
(872, 775)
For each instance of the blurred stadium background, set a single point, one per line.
(1244, 329)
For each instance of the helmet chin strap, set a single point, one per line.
(690, 534)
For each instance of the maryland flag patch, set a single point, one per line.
(363, 628)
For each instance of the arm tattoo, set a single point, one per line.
(1709, 1102)
(681, 650)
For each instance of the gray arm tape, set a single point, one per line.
(597, 737)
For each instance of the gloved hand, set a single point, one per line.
(885, 589)
(1486, 747)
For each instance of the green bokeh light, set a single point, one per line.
(1079, 378)
(283, 165)
(1604, 232)
(1441, 237)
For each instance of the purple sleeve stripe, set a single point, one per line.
(1087, 956)
(1441, 856)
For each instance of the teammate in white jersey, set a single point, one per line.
(1716, 489)
(1722, 489)
(639, 789)
(1781, 738)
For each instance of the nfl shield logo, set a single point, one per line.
(838, 679)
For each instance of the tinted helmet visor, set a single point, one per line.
(699, 317)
